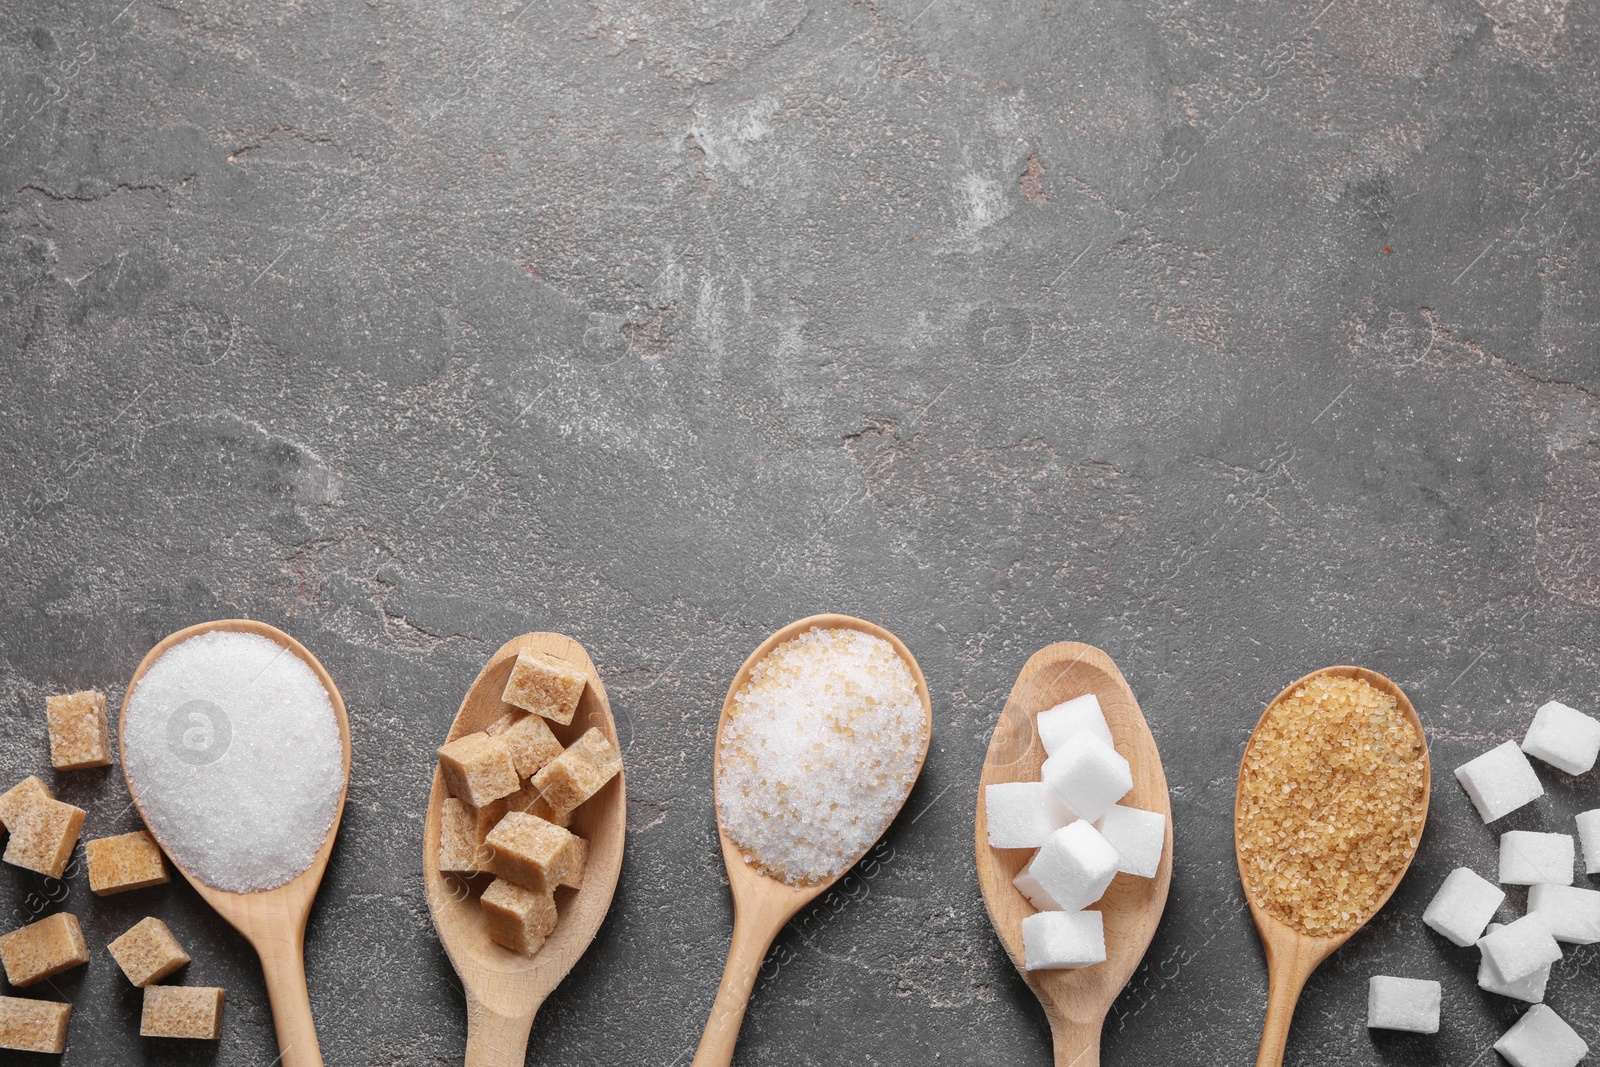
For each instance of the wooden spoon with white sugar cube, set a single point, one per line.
(1075, 1001)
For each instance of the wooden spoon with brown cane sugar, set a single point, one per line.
(1337, 764)
(762, 904)
(1075, 1001)
(504, 989)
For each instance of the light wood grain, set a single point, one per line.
(273, 921)
(1291, 955)
(1075, 1001)
(761, 904)
(505, 989)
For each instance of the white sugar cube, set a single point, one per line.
(1541, 1038)
(1500, 781)
(1053, 940)
(1410, 1004)
(1074, 867)
(1088, 775)
(1023, 814)
(1520, 948)
(1572, 913)
(1029, 887)
(1563, 737)
(1463, 906)
(1527, 857)
(1138, 836)
(1076, 716)
(1529, 988)
(1589, 834)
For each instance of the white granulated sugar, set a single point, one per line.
(232, 747)
(818, 752)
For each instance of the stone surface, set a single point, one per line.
(414, 327)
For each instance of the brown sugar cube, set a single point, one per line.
(80, 734)
(43, 833)
(34, 1025)
(13, 799)
(460, 846)
(477, 769)
(43, 949)
(187, 1011)
(519, 919)
(127, 861)
(530, 740)
(578, 773)
(536, 854)
(545, 686)
(148, 952)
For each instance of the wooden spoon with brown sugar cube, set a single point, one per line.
(504, 989)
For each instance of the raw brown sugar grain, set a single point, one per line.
(1330, 804)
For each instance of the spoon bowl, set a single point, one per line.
(505, 989)
(762, 905)
(1292, 955)
(1075, 1001)
(273, 920)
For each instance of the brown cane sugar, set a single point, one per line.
(34, 1025)
(148, 952)
(1330, 804)
(182, 1011)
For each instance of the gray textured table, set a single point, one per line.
(1237, 339)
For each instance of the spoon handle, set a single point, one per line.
(1076, 1044)
(750, 943)
(283, 964)
(493, 1039)
(1287, 971)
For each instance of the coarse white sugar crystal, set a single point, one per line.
(817, 753)
(1074, 866)
(1061, 940)
(232, 748)
(1065, 721)
(1529, 988)
(1463, 906)
(1519, 948)
(1023, 814)
(1541, 1038)
(1527, 857)
(1571, 912)
(1589, 834)
(1410, 1004)
(1563, 737)
(1089, 775)
(1138, 836)
(1500, 781)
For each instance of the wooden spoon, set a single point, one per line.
(273, 921)
(1292, 955)
(505, 989)
(763, 904)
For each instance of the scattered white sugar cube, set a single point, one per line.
(1029, 887)
(1530, 988)
(1074, 867)
(1076, 716)
(1463, 906)
(1138, 836)
(1589, 834)
(1053, 940)
(1089, 776)
(1572, 913)
(1563, 737)
(1528, 857)
(1410, 1004)
(1520, 948)
(1023, 814)
(1541, 1038)
(1500, 781)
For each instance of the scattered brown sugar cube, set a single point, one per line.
(545, 686)
(43, 833)
(128, 861)
(13, 799)
(43, 949)
(578, 773)
(34, 1025)
(536, 854)
(529, 738)
(189, 1011)
(80, 735)
(477, 769)
(519, 919)
(460, 847)
(148, 952)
